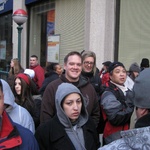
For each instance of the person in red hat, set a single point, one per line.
(104, 74)
(23, 96)
(12, 135)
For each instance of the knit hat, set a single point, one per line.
(113, 65)
(134, 67)
(106, 63)
(141, 89)
(144, 62)
(30, 72)
(24, 77)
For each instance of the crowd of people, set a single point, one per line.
(69, 108)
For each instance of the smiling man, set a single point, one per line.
(116, 102)
(72, 67)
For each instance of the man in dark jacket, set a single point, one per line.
(116, 103)
(73, 68)
(12, 135)
(138, 138)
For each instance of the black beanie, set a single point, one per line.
(106, 63)
(141, 89)
(144, 62)
(113, 65)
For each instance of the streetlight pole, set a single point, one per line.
(19, 41)
(19, 17)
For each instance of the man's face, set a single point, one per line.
(73, 68)
(119, 75)
(1, 102)
(33, 61)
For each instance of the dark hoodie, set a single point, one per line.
(48, 109)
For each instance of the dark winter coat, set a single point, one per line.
(144, 121)
(51, 77)
(117, 111)
(52, 135)
(48, 109)
(94, 80)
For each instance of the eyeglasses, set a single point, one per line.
(89, 63)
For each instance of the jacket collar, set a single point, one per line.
(9, 135)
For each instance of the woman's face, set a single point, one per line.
(88, 64)
(58, 70)
(18, 86)
(72, 106)
(12, 64)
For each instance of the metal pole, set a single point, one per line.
(19, 41)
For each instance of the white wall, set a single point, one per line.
(99, 29)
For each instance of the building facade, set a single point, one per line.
(56, 27)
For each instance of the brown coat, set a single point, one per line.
(48, 109)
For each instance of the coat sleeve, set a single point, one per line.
(96, 112)
(39, 76)
(116, 113)
(40, 139)
(92, 103)
(48, 104)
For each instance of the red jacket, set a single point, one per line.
(39, 75)
(105, 78)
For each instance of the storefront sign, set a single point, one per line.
(5, 5)
(50, 22)
(53, 48)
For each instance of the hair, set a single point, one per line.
(70, 54)
(34, 56)
(82, 52)
(131, 75)
(17, 67)
(87, 54)
(25, 99)
(51, 67)
(1, 86)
